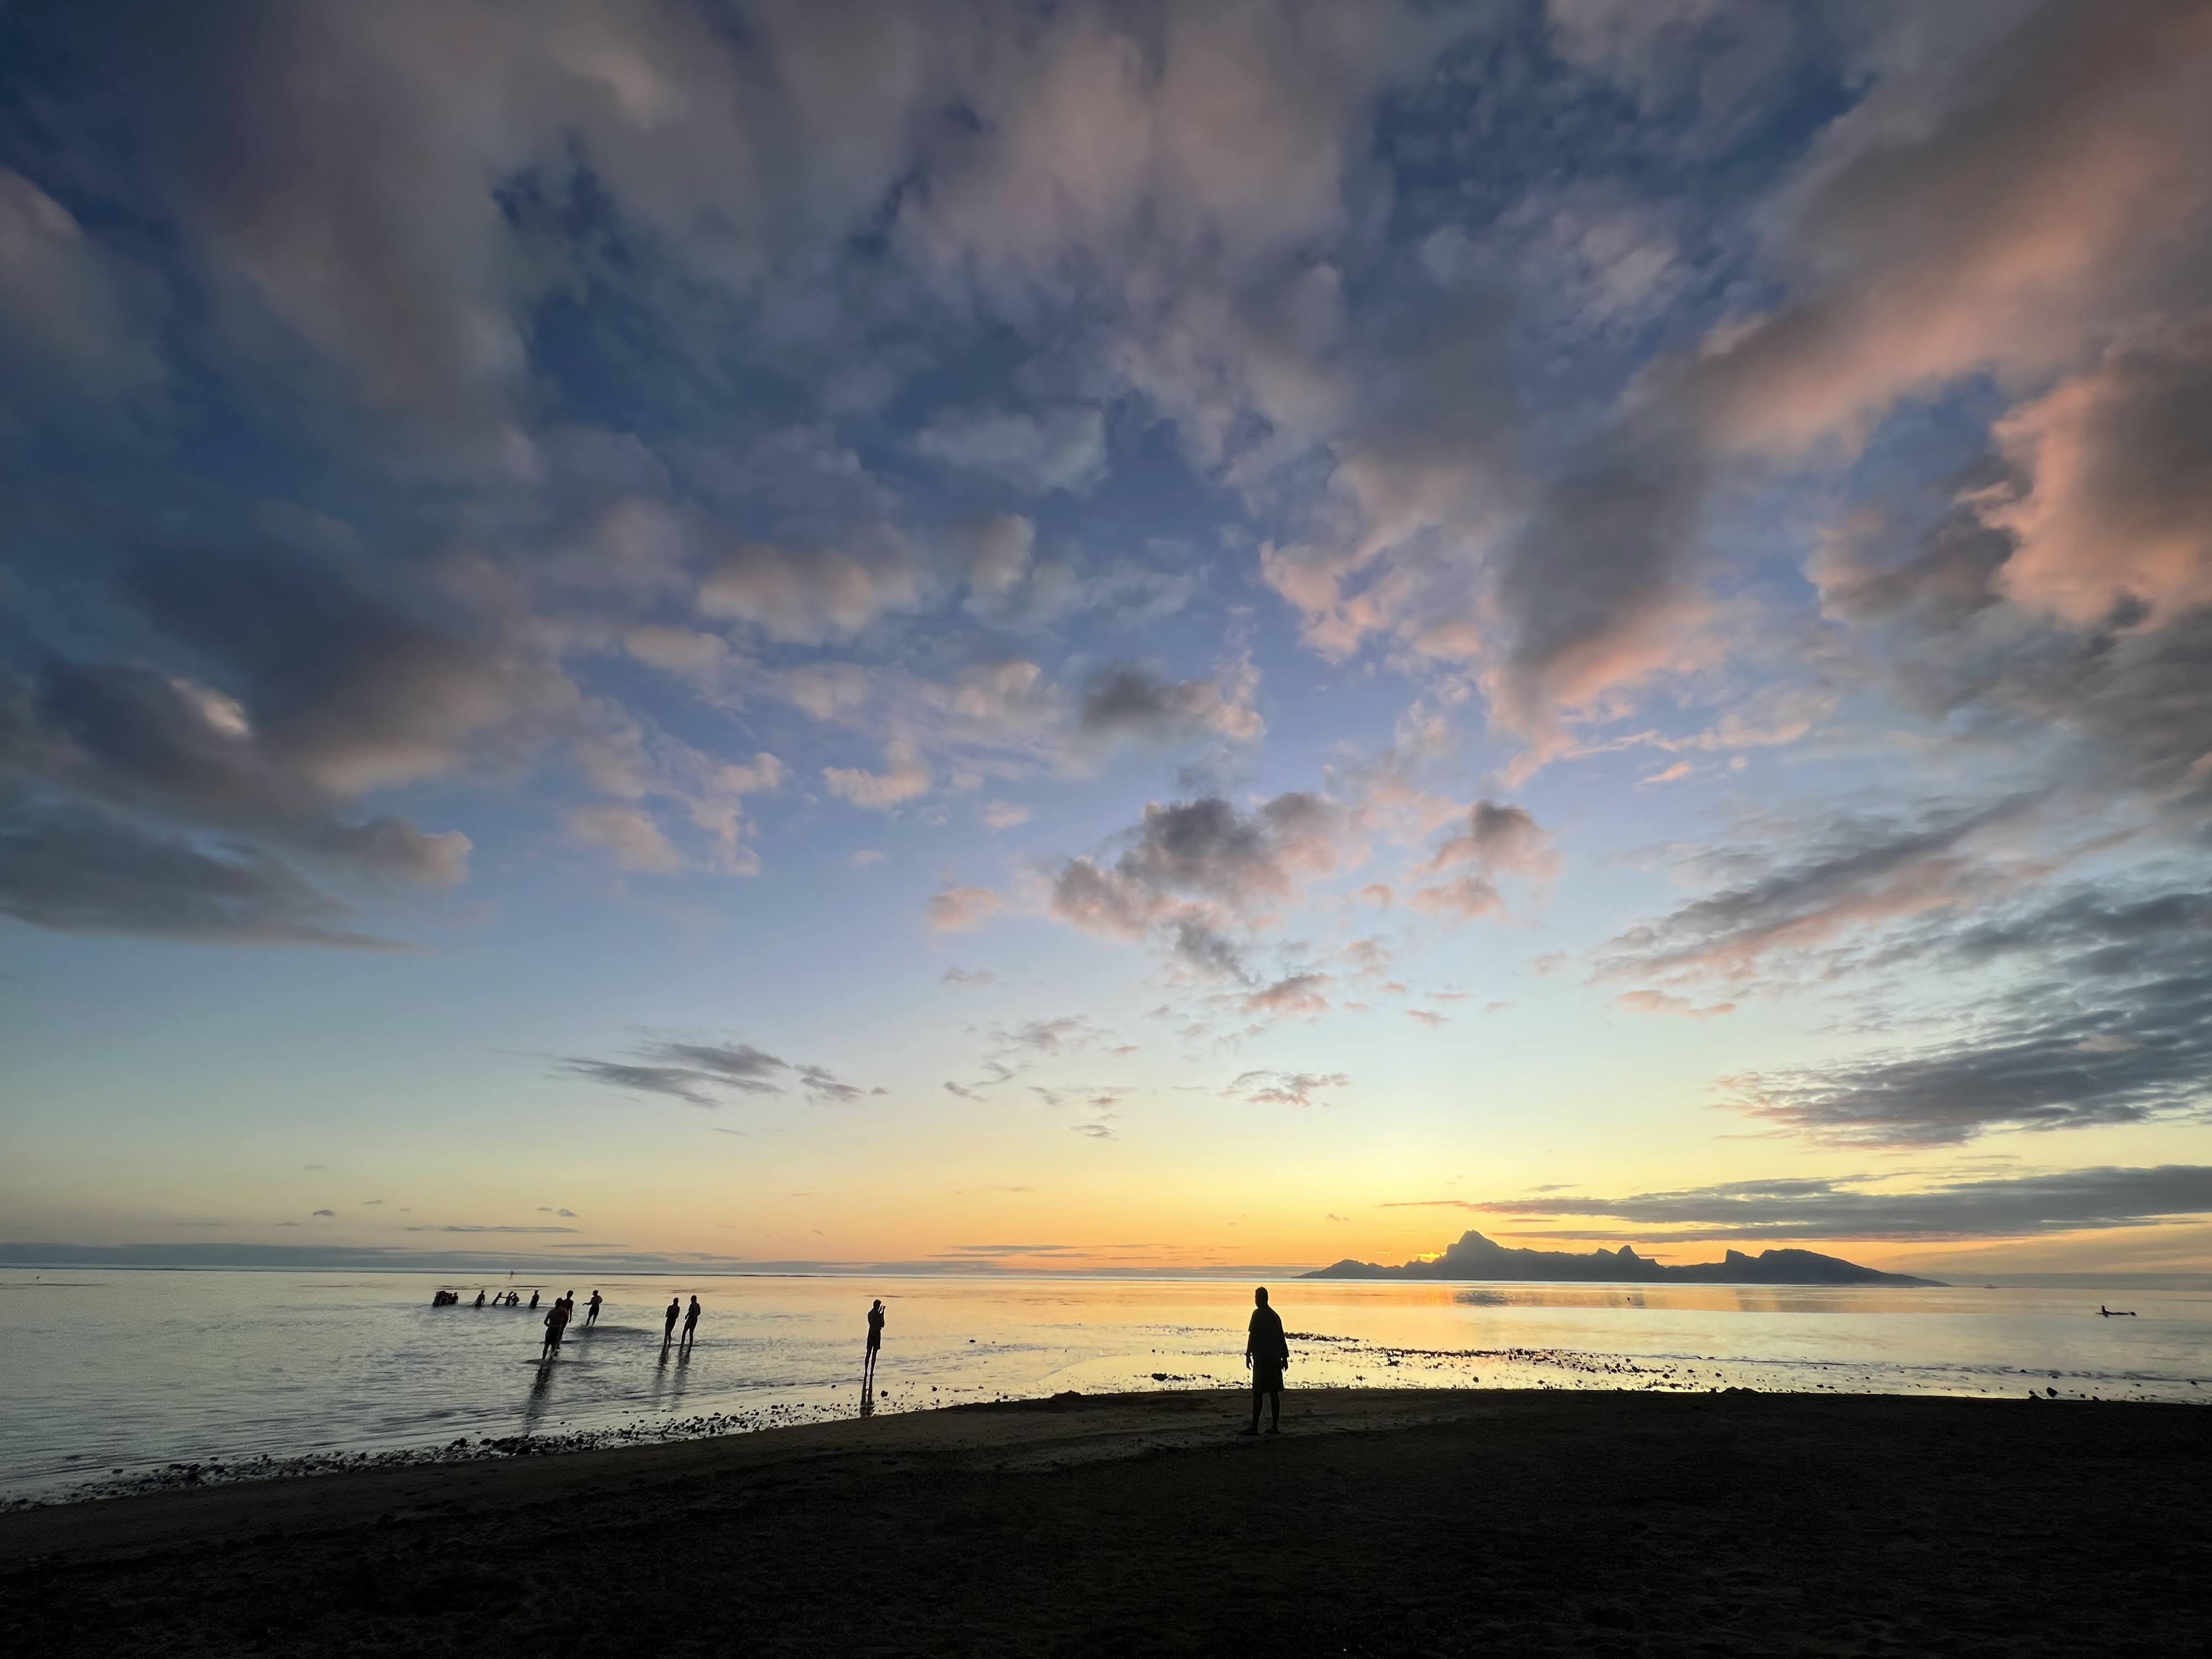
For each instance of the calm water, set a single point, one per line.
(105, 1372)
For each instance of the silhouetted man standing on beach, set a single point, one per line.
(668, 1323)
(556, 1321)
(875, 1345)
(691, 1320)
(1266, 1351)
(592, 1318)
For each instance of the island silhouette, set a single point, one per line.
(1474, 1256)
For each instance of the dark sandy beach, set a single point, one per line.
(1380, 1522)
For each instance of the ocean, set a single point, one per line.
(116, 1380)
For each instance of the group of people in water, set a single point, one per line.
(562, 1313)
(557, 1317)
(1267, 1349)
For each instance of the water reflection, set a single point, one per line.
(145, 1368)
(541, 1387)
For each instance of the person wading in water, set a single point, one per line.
(1266, 1351)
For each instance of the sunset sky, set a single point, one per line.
(1108, 636)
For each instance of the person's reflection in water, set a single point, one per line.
(533, 1405)
(1266, 1351)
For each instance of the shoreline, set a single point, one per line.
(1382, 1521)
(1580, 1371)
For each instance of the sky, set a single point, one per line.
(1092, 637)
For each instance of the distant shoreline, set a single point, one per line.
(568, 1270)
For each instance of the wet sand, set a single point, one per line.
(1380, 1522)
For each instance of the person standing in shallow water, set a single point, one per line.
(668, 1322)
(1266, 1351)
(875, 1345)
(592, 1317)
(690, 1322)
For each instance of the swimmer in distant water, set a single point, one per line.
(480, 1298)
(534, 1298)
(592, 1318)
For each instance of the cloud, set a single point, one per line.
(1427, 1017)
(997, 552)
(1092, 1131)
(1470, 898)
(467, 1228)
(1994, 232)
(1998, 208)
(126, 755)
(1128, 702)
(1298, 996)
(339, 687)
(905, 777)
(1195, 871)
(1859, 872)
(693, 1072)
(1068, 1033)
(75, 319)
(999, 814)
(332, 1213)
(1498, 840)
(1301, 1089)
(956, 975)
(678, 1082)
(1595, 592)
(2007, 1206)
(821, 1083)
(1062, 448)
(629, 835)
(815, 598)
(2102, 1020)
(1649, 1001)
(2116, 517)
(957, 909)
(737, 1066)
(87, 872)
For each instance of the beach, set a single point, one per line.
(1381, 1522)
